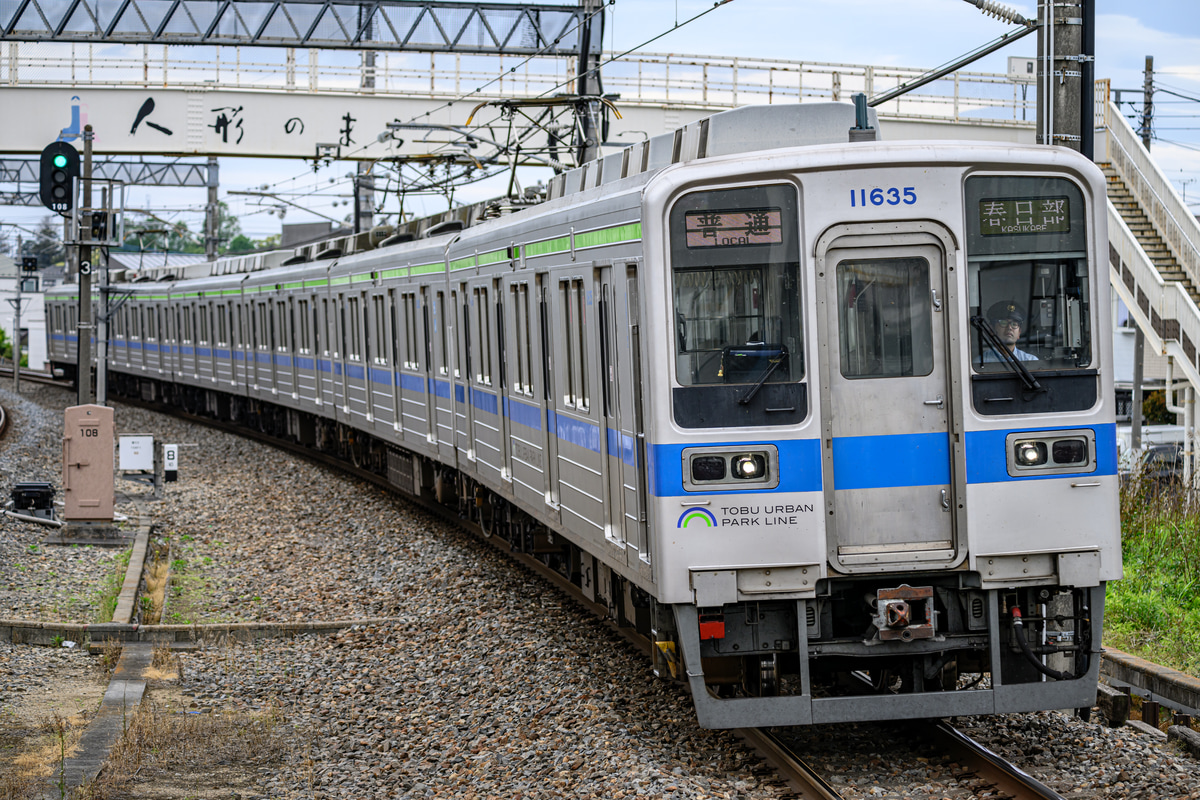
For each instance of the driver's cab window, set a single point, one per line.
(1027, 274)
(735, 289)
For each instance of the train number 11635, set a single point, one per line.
(878, 196)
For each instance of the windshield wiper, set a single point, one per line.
(753, 390)
(1006, 356)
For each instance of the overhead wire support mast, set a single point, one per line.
(432, 26)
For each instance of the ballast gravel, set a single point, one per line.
(485, 682)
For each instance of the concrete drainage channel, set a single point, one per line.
(148, 577)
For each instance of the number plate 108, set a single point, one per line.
(879, 196)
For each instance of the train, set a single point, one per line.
(828, 419)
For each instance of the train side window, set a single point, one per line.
(380, 329)
(458, 305)
(280, 328)
(501, 343)
(394, 330)
(325, 348)
(483, 335)
(305, 340)
(260, 327)
(412, 353)
(572, 297)
(202, 324)
(523, 379)
(352, 328)
(443, 345)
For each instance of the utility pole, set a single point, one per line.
(364, 198)
(102, 321)
(1139, 338)
(1060, 77)
(16, 347)
(587, 80)
(84, 344)
(212, 213)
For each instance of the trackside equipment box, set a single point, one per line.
(88, 464)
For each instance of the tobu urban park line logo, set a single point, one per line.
(745, 516)
(698, 516)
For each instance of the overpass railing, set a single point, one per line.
(642, 79)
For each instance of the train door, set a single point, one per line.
(527, 421)
(414, 415)
(619, 319)
(549, 392)
(886, 404)
(610, 438)
(443, 383)
(466, 358)
(501, 383)
(394, 354)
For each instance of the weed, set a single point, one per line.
(105, 601)
(161, 743)
(1154, 611)
(110, 655)
(33, 548)
(56, 640)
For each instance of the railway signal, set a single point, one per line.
(59, 169)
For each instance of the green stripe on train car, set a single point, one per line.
(493, 257)
(615, 235)
(560, 245)
(462, 263)
(425, 269)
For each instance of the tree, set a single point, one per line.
(229, 228)
(46, 244)
(241, 244)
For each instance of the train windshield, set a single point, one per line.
(736, 293)
(1028, 275)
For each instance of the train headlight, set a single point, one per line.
(749, 467)
(1045, 453)
(708, 468)
(721, 469)
(1030, 454)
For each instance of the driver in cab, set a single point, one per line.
(1007, 319)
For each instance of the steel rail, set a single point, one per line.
(990, 767)
(802, 778)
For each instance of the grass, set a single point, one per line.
(163, 744)
(34, 758)
(105, 601)
(1154, 612)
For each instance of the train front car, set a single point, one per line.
(881, 440)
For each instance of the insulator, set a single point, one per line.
(1001, 12)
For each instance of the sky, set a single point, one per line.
(908, 33)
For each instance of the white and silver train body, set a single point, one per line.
(831, 423)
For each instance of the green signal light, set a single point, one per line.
(60, 161)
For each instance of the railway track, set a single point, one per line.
(982, 769)
(979, 770)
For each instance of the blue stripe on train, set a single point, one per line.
(875, 462)
(987, 456)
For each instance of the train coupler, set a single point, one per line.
(905, 613)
